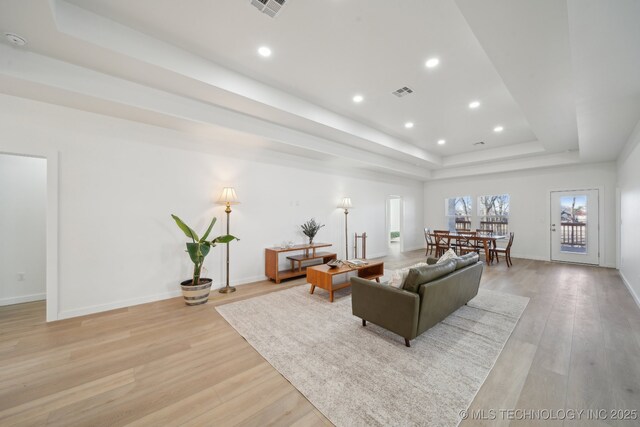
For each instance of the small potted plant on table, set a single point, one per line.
(310, 229)
(196, 290)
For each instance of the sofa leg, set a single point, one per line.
(406, 342)
(364, 322)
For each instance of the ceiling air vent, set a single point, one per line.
(270, 7)
(479, 143)
(403, 91)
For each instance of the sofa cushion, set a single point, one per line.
(450, 254)
(399, 276)
(466, 260)
(420, 275)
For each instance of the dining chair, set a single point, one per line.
(484, 232)
(465, 242)
(442, 241)
(506, 251)
(431, 245)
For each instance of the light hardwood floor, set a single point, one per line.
(576, 346)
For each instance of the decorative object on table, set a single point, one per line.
(356, 263)
(345, 204)
(311, 228)
(196, 290)
(334, 263)
(362, 237)
(228, 198)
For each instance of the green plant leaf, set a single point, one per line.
(204, 249)
(206, 234)
(194, 252)
(185, 228)
(224, 239)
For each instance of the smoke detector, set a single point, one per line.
(15, 39)
(403, 91)
(269, 7)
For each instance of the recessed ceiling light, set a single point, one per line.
(474, 104)
(408, 125)
(498, 129)
(15, 39)
(358, 98)
(264, 51)
(432, 62)
(441, 142)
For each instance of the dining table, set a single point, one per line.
(488, 241)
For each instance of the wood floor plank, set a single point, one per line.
(576, 346)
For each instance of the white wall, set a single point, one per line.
(119, 182)
(23, 198)
(394, 214)
(529, 208)
(629, 187)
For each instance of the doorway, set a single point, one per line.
(23, 227)
(574, 226)
(394, 221)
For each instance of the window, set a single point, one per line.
(494, 213)
(458, 212)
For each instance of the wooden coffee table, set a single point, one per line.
(321, 276)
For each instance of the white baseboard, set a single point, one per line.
(67, 314)
(22, 299)
(631, 291)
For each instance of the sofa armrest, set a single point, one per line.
(394, 309)
(432, 260)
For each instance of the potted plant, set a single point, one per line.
(311, 228)
(196, 290)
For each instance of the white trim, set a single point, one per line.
(601, 221)
(51, 156)
(117, 304)
(631, 291)
(22, 299)
(387, 223)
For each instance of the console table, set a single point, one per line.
(308, 253)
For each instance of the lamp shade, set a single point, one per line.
(345, 203)
(228, 196)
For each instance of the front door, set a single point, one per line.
(574, 226)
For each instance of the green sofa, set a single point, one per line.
(429, 295)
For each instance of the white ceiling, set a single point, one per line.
(560, 77)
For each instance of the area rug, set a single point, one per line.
(365, 376)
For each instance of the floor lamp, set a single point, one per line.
(228, 198)
(345, 204)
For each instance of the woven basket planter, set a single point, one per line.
(196, 295)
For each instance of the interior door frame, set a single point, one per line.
(388, 221)
(51, 288)
(601, 220)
